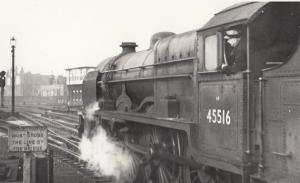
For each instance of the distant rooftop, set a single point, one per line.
(82, 67)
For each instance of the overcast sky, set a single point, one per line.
(53, 35)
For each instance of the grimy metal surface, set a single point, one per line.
(240, 12)
(175, 47)
(89, 88)
(281, 120)
(230, 123)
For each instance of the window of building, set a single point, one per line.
(211, 53)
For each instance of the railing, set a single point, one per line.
(153, 65)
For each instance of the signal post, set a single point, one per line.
(2, 85)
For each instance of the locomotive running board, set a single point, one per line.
(173, 123)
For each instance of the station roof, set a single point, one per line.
(82, 67)
(239, 12)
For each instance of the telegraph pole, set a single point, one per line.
(13, 46)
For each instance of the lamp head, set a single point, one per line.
(13, 41)
(2, 73)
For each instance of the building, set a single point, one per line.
(56, 93)
(36, 88)
(18, 88)
(74, 84)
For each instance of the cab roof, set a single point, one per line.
(235, 13)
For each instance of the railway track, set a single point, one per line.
(62, 127)
(72, 158)
(69, 154)
(67, 151)
(63, 139)
(63, 116)
(50, 111)
(63, 148)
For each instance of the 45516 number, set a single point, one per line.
(219, 116)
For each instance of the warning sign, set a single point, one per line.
(27, 138)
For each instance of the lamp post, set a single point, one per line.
(13, 46)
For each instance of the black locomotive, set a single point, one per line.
(217, 104)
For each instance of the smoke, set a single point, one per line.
(104, 155)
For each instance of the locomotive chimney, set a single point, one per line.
(128, 47)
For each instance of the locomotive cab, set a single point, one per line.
(265, 39)
(234, 48)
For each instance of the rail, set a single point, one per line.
(56, 136)
(67, 117)
(40, 120)
(65, 149)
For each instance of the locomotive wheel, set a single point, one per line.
(156, 169)
(131, 176)
(161, 141)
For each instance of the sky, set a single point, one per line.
(53, 35)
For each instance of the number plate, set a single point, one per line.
(219, 116)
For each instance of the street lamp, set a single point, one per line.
(13, 46)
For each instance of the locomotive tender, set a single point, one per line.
(196, 108)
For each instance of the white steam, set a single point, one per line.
(104, 155)
(91, 109)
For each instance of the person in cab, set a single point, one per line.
(235, 51)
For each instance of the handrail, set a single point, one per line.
(151, 78)
(153, 65)
(283, 154)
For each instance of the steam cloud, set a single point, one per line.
(104, 155)
(91, 109)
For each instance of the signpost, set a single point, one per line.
(27, 139)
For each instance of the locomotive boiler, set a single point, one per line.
(216, 104)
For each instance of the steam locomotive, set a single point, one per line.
(218, 104)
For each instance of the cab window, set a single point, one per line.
(211, 53)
